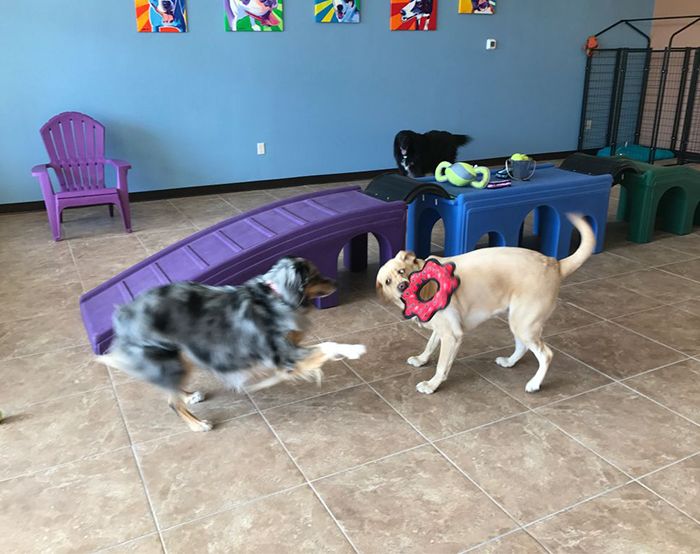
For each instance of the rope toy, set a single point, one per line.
(433, 270)
(461, 174)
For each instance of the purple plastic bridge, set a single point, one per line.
(315, 226)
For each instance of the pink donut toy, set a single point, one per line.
(433, 270)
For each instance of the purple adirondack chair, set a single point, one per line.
(76, 146)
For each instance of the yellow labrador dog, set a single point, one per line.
(493, 280)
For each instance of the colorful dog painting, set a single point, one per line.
(487, 7)
(337, 11)
(161, 16)
(413, 15)
(254, 15)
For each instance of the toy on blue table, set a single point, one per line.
(520, 167)
(461, 174)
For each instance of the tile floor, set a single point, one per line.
(605, 458)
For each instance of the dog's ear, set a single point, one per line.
(407, 257)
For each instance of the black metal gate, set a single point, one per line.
(643, 96)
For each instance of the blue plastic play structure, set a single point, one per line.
(499, 213)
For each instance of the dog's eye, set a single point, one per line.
(388, 282)
(402, 271)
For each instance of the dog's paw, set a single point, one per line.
(195, 397)
(424, 387)
(204, 426)
(415, 361)
(504, 362)
(352, 351)
(532, 386)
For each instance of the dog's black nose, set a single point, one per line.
(403, 285)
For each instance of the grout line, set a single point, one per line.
(123, 543)
(576, 504)
(138, 466)
(62, 464)
(299, 400)
(303, 474)
(232, 508)
(686, 514)
(662, 468)
(450, 462)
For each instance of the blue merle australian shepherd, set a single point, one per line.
(251, 330)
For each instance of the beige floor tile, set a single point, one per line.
(44, 333)
(676, 386)
(630, 519)
(567, 316)
(566, 377)
(354, 315)
(148, 416)
(387, 350)
(204, 211)
(410, 503)
(684, 243)
(530, 467)
(195, 474)
(93, 221)
(606, 299)
(676, 328)
(463, 402)
(651, 254)
(157, 214)
(604, 265)
(78, 507)
(336, 376)
(46, 376)
(155, 241)
(289, 192)
(149, 544)
(27, 265)
(614, 350)
(245, 201)
(31, 226)
(336, 431)
(691, 306)
(60, 431)
(679, 484)
(660, 285)
(689, 269)
(515, 543)
(101, 259)
(293, 521)
(630, 431)
(490, 335)
(39, 299)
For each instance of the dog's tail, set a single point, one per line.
(568, 265)
(116, 359)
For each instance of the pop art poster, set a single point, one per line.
(487, 7)
(413, 15)
(161, 16)
(254, 15)
(337, 11)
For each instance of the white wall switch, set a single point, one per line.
(261, 148)
(490, 44)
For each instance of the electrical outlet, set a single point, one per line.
(490, 44)
(261, 148)
(589, 124)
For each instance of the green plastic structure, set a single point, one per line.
(665, 196)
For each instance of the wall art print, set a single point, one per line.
(337, 11)
(161, 16)
(413, 15)
(485, 7)
(254, 15)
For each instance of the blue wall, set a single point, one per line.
(187, 110)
